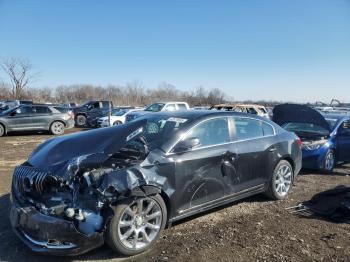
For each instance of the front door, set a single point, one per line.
(20, 118)
(199, 173)
(343, 137)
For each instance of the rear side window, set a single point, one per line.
(247, 128)
(170, 107)
(182, 106)
(267, 129)
(211, 132)
(252, 110)
(41, 110)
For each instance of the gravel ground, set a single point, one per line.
(254, 229)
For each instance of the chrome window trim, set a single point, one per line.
(169, 153)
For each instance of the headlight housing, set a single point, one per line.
(314, 145)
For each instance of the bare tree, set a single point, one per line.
(19, 71)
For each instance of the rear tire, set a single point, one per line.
(80, 120)
(57, 128)
(329, 161)
(2, 130)
(133, 230)
(281, 181)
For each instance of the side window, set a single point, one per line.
(105, 104)
(41, 110)
(24, 110)
(182, 106)
(170, 107)
(211, 132)
(247, 128)
(252, 110)
(267, 129)
(345, 129)
(95, 105)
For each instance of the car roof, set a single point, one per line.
(195, 114)
(167, 102)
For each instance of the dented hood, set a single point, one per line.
(293, 113)
(60, 150)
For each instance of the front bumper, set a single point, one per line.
(314, 159)
(50, 235)
(70, 123)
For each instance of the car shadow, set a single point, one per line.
(338, 171)
(252, 199)
(27, 133)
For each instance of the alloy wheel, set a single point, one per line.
(283, 180)
(57, 128)
(329, 162)
(140, 224)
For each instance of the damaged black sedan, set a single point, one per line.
(123, 185)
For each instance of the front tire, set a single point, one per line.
(329, 161)
(136, 225)
(81, 120)
(57, 128)
(281, 181)
(2, 130)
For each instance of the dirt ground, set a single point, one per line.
(254, 229)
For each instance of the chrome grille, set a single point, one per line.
(26, 178)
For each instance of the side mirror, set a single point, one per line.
(13, 113)
(187, 144)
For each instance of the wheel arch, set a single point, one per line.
(4, 126)
(57, 120)
(148, 190)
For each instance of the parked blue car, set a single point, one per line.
(325, 137)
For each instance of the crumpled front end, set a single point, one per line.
(67, 213)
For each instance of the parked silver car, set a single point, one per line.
(35, 117)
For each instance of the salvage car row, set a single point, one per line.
(124, 184)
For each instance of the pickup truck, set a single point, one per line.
(90, 109)
(158, 107)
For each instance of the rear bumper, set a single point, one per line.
(50, 235)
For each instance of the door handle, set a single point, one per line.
(229, 156)
(272, 149)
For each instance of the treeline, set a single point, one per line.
(130, 94)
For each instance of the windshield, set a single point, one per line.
(332, 122)
(156, 107)
(157, 130)
(9, 110)
(307, 128)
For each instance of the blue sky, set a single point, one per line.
(290, 50)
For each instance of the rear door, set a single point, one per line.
(198, 172)
(41, 117)
(252, 150)
(343, 137)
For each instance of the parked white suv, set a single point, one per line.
(117, 118)
(158, 107)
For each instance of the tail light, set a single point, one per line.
(299, 142)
